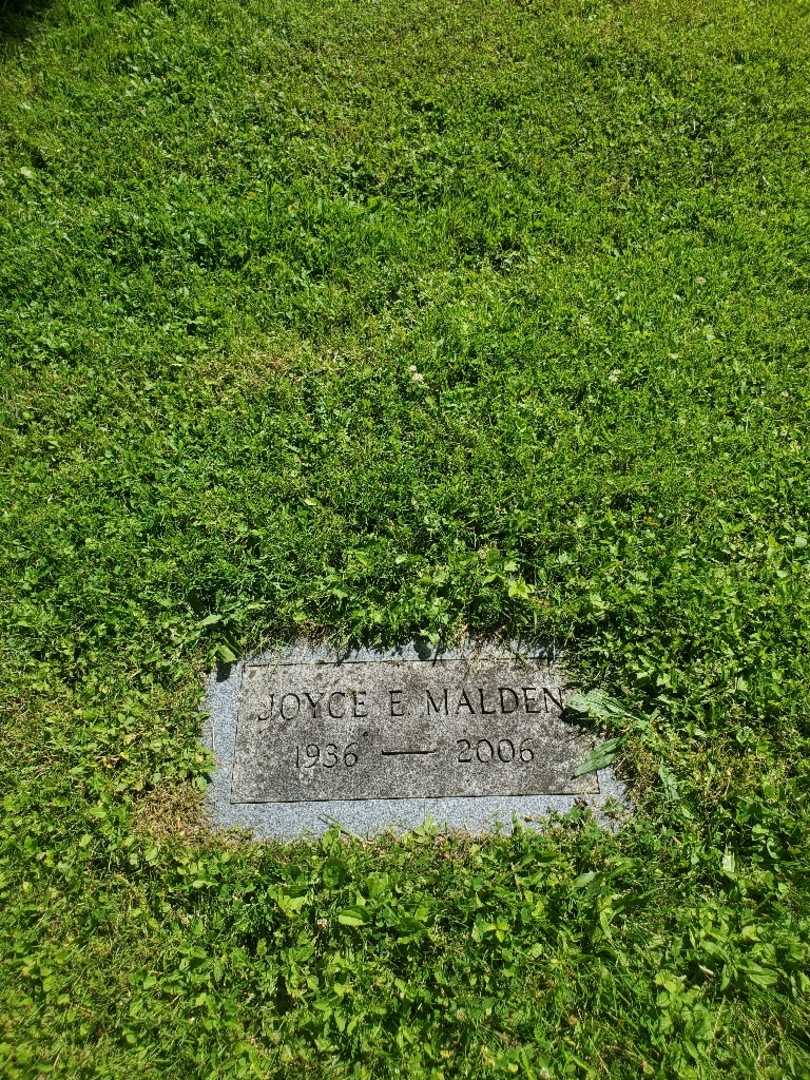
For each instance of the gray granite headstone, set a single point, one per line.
(473, 738)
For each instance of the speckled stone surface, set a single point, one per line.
(305, 737)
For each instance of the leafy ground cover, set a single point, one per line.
(387, 320)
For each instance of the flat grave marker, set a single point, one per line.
(307, 737)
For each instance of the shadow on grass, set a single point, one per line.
(19, 19)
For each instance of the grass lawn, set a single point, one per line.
(383, 320)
